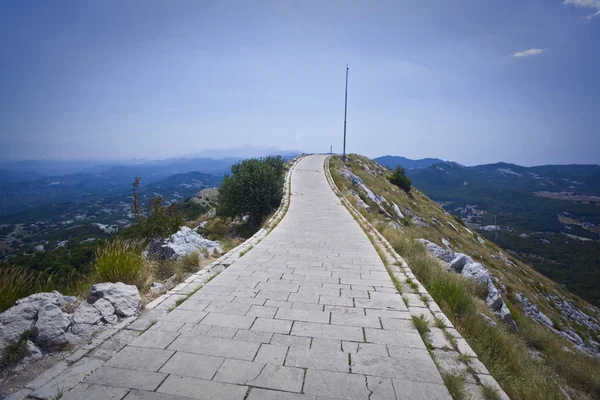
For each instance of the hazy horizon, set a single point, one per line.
(472, 82)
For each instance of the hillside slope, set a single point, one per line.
(548, 215)
(556, 346)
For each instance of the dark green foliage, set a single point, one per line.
(162, 220)
(400, 179)
(255, 187)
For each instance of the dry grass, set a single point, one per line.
(18, 282)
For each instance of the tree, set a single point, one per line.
(255, 187)
(400, 179)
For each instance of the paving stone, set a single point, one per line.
(278, 304)
(374, 349)
(318, 359)
(388, 313)
(271, 354)
(287, 340)
(345, 310)
(166, 326)
(262, 311)
(272, 325)
(253, 336)
(438, 339)
(124, 378)
(223, 332)
(192, 365)
(395, 305)
(228, 308)
(186, 316)
(155, 339)
(336, 301)
(391, 367)
(307, 306)
(464, 348)
(336, 385)
(194, 305)
(355, 320)
(228, 320)
(67, 378)
(326, 345)
(302, 315)
(94, 392)
(327, 331)
(195, 329)
(409, 390)
(212, 346)
(145, 395)
(264, 394)
(238, 371)
(409, 353)
(397, 324)
(202, 389)
(407, 339)
(140, 358)
(279, 378)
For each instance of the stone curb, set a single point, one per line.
(74, 368)
(447, 343)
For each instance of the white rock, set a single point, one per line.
(446, 243)
(437, 251)
(87, 314)
(397, 211)
(157, 288)
(105, 307)
(457, 264)
(476, 271)
(124, 298)
(182, 242)
(50, 327)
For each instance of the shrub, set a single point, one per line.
(216, 228)
(119, 260)
(400, 179)
(255, 187)
(15, 351)
(191, 262)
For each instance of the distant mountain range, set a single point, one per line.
(392, 161)
(548, 215)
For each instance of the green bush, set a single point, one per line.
(255, 187)
(400, 179)
(191, 261)
(119, 260)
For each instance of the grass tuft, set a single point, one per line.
(456, 385)
(15, 351)
(421, 324)
(119, 260)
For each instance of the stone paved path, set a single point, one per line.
(309, 313)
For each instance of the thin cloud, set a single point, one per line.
(529, 53)
(594, 5)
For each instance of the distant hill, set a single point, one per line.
(549, 215)
(392, 161)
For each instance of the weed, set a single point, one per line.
(490, 393)
(191, 261)
(406, 300)
(246, 250)
(455, 384)
(464, 358)
(421, 324)
(439, 323)
(119, 260)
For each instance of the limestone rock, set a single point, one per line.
(397, 211)
(50, 327)
(105, 308)
(446, 243)
(124, 298)
(87, 314)
(157, 288)
(183, 242)
(457, 264)
(437, 251)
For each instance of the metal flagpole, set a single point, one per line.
(345, 112)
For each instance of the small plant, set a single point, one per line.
(455, 384)
(464, 358)
(439, 323)
(490, 393)
(421, 324)
(15, 351)
(191, 262)
(119, 260)
(400, 179)
(406, 300)
(246, 250)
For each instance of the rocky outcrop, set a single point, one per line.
(53, 320)
(355, 179)
(182, 242)
(464, 265)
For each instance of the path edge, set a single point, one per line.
(402, 273)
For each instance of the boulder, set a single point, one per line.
(397, 211)
(50, 327)
(87, 314)
(437, 251)
(446, 243)
(457, 264)
(183, 242)
(105, 308)
(124, 298)
(476, 271)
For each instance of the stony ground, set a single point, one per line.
(309, 313)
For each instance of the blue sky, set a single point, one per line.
(470, 81)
